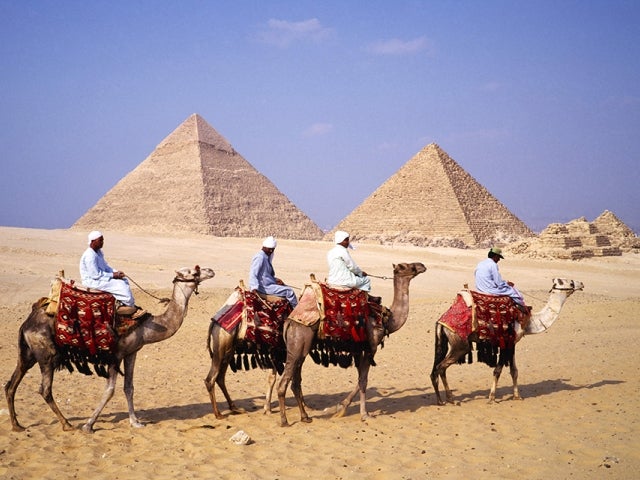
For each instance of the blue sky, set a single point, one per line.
(539, 101)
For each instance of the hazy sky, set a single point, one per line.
(539, 100)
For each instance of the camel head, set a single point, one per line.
(408, 269)
(195, 275)
(569, 286)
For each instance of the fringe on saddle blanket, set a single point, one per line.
(491, 318)
(342, 318)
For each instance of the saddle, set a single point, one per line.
(342, 317)
(490, 318)
(259, 320)
(87, 324)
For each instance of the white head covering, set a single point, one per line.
(269, 242)
(93, 236)
(340, 236)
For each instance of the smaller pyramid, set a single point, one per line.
(606, 236)
(432, 201)
(194, 181)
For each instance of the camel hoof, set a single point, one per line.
(339, 412)
(67, 427)
(237, 411)
(20, 428)
(87, 428)
(365, 417)
(518, 397)
(306, 420)
(137, 424)
(284, 424)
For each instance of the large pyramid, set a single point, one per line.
(194, 181)
(432, 201)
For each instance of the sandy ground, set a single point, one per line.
(579, 419)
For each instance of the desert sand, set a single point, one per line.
(579, 417)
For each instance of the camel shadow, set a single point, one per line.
(380, 401)
(389, 401)
(530, 390)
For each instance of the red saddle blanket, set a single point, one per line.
(345, 314)
(84, 320)
(264, 319)
(491, 316)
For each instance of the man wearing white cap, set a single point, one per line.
(489, 280)
(343, 271)
(262, 276)
(96, 273)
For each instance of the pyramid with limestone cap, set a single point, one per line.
(432, 201)
(194, 181)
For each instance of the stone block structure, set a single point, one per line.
(606, 236)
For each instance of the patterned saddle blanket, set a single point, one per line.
(259, 321)
(491, 317)
(342, 317)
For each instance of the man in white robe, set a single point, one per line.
(343, 270)
(96, 273)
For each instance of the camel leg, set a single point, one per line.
(25, 362)
(129, 365)
(296, 388)
(292, 374)
(271, 382)
(496, 376)
(443, 360)
(209, 383)
(216, 375)
(46, 390)
(106, 396)
(282, 391)
(363, 379)
(514, 376)
(221, 381)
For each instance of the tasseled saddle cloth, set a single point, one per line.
(86, 326)
(260, 319)
(491, 317)
(342, 316)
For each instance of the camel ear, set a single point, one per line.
(183, 272)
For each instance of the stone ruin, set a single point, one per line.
(606, 236)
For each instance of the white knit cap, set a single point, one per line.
(269, 242)
(340, 236)
(94, 236)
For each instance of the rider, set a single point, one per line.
(489, 280)
(262, 275)
(96, 273)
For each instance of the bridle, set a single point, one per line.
(195, 279)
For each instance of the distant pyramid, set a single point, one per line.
(194, 181)
(432, 201)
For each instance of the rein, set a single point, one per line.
(161, 300)
(377, 276)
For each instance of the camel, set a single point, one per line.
(450, 348)
(300, 338)
(36, 345)
(222, 346)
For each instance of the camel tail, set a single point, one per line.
(209, 338)
(441, 344)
